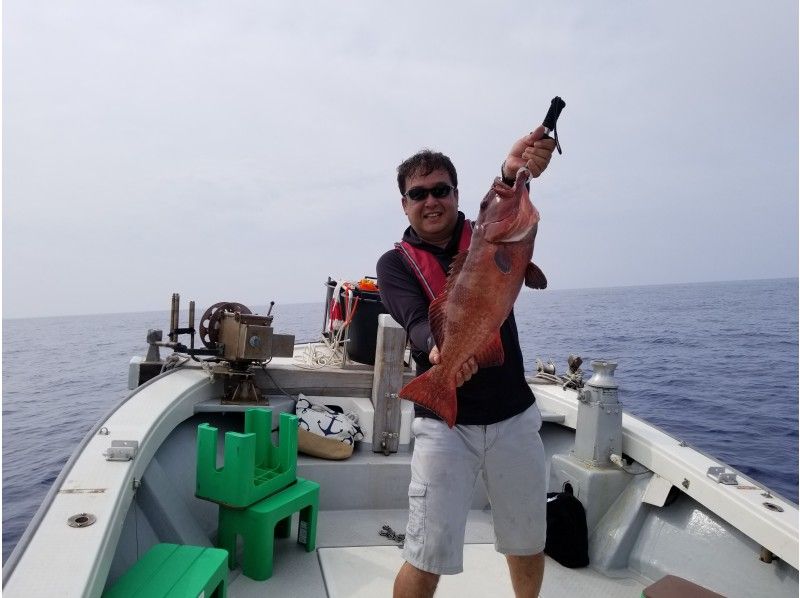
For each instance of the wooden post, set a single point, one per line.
(386, 383)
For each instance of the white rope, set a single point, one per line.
(568, 380)
(328, 351)
(324, 353)
(174, 361)
(204, 363)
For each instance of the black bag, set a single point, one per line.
(567, 536)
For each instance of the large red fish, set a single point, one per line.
(481, 289)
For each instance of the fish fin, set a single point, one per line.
(492, 354)
(436, 311)
(534, 277)
(502, 260)
(437, 318)
(455, 268)
(432, 391)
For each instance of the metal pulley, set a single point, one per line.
(210, 322)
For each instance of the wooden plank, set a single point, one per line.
(387, 381)
(322, 381)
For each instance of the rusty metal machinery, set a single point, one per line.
(234, 338)
(241, 335)
(210, 322)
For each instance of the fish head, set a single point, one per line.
(506, 213)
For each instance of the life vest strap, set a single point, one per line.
(429, 272)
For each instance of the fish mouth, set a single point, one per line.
(509, 216)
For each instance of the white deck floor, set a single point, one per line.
(365, 572)
(353, 561)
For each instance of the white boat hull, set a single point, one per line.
(711, 533)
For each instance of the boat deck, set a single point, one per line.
(353, 561)
(658, 520)
(358, 497)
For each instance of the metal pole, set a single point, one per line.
(176, 303)
(328, 297)
(191, 322)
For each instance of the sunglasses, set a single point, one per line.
(419, 193)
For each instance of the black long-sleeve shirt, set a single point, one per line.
(492, 394)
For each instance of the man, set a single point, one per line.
(496, 431)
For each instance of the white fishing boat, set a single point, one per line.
(655, 507)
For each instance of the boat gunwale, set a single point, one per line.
(47, 501)
(741, 510)
(134, 467)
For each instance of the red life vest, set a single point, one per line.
(425, 266)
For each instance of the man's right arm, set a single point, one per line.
(404, 299)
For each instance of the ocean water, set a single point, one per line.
(713, 364)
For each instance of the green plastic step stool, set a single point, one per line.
(259, 524)
(175, 571)
(254, 468)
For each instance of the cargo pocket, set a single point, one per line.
(416, 510)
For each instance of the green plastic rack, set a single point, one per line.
(259, 524)
(254, 468)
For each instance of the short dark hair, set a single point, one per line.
(423, 163)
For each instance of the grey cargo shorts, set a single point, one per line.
(444, 471)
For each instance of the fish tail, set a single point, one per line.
(432, 391)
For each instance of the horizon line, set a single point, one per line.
(592, 288)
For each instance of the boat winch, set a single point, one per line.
(235, 340)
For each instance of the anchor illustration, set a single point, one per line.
(329, 431)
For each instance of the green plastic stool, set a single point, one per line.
(175, 571)
(258, 525)
(254, 468)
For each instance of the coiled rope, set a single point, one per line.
(328, 351)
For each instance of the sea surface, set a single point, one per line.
(713, 364)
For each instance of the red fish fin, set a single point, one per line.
(455, 268)
(502, 260)
(436, 311)
(534, 277)
(492, 354)
(432, 391)
(437, 318)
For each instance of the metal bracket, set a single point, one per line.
(121, 450)
(721, 476)
(385, 437)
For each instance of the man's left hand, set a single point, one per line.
(467, 370)
(531, 151)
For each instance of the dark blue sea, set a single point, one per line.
(714, 364)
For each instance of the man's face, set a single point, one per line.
(433, 218)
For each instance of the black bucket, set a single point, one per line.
(363, 330)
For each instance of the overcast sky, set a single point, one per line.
(244, 151)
